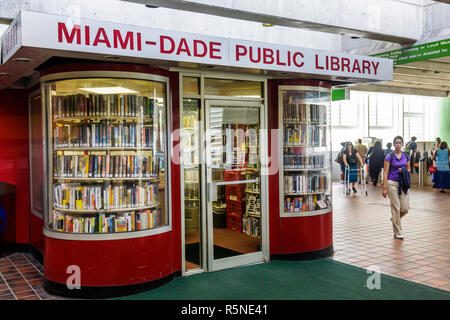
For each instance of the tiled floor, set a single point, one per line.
(21, 278)
(362, 234)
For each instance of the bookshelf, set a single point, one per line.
(305, 150)
(106, 142)
(191, 166)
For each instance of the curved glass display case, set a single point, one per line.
(305, 150)
(106, 149)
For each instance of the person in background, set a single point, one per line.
(351, 157)
(342, 164)
(432, 154)
(415, 160)
(369, 152)
(376, 160)
(395, 164)
(411, 146)
(442, 175)
(362, 151)
(388, 149)
(435, 147)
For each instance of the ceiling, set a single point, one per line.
(429, 78)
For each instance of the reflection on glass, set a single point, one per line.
(108, 155)
(306, 151)
(192, 199)
(233, 88)
(234, 156)
(191, 85)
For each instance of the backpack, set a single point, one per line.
(339, 158)
(408, 146)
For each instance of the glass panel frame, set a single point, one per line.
(305, 150)
(213, 184)
(150, 224)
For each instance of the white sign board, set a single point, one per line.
(84, 35)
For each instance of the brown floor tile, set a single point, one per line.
(7, 297)
(21, 289)
(36, 281)
(25, 294)
(34, 297)
(17, 284)
(5, 291)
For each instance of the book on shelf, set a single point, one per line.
(104, 166)
(302, 112)
(80, 105)
(302, 161)
(306, 203)
(294, 134)
(305, 183)
(251, 226)
(75, 196)
(105, 133)
(106, 223)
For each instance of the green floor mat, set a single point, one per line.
(286, 280)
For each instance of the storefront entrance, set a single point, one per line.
(224, 189)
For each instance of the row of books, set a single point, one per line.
(301, 161)
(251, 226)
(191, 191)
(306, 203)
(305, 112)
(252, 186)
(79, 105)
(303, 183)
(103, 134)
(295, 134)
(104, 166)
(107, 223)
(317, 136)
(253, 206)
(83, 197)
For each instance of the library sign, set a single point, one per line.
(106, 38)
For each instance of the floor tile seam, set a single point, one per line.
(28, 283)
(10, 289)
(34, 266)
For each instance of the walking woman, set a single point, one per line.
(376, 160)
(351, 158)
(395, 164)
(442, 175)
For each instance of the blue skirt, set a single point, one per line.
(441, 180)
(352, 175)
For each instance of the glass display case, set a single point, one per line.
(305, 150)
(106, 149)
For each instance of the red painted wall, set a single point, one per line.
(110, 262)
(14, 162)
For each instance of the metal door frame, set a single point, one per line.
(244, 259)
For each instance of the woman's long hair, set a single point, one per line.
(377, 146)
(351, 144)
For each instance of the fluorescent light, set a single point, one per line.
(108, 90)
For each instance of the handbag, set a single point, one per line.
(416, 164)
(432, 169)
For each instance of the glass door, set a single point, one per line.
(233, 180)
